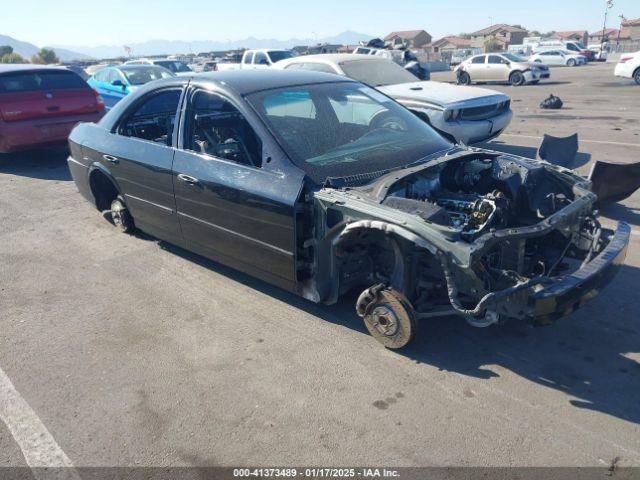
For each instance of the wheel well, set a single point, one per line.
(103, 190)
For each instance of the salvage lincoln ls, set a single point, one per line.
(321, 185)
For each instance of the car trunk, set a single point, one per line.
(44, 94)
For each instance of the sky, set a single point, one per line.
(119, 22)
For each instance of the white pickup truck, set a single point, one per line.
(263, 58)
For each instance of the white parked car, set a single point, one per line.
(463, 114)
(263, 58)
(559, 57)
(629, 66)
(174, 66)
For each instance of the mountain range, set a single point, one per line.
(170, 47)
(26, 49)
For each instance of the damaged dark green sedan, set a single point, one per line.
(324, 186)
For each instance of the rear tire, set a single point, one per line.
(571, 63)
(464, 78)
(120, 216)
(636, 76)
(388, 316)
(516, 79)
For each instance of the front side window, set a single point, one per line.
(218, 129)
(351, 129)
(495, 59)
(479, 59)
(261, 59)
(278, 55)
(154, 120)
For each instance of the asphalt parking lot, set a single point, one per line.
(121, 350)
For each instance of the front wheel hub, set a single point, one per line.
(384, 321)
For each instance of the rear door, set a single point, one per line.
(232, 206)
(476, 68)
(139, 154)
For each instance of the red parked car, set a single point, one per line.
(40, 105)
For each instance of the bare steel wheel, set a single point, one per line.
(120, 216)
(388, 316)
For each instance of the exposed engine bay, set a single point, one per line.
(472, 197)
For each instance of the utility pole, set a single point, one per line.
(622, 19)
(608, 5)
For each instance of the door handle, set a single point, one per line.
(187, 179)
(111, 159)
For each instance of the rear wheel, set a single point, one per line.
(516, 78)
(120, 216)
(571, 63)
(388, 316)
(464, 78)
(636, 76)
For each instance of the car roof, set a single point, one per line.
(244, 82)
(22, 67)
(337, 57)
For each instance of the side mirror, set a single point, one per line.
(118, 83)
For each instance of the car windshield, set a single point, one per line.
(377, 73)
(142, 75)
(513, 58)
(343, 129)
(278, 55)
(174, 66)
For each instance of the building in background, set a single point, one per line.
(411, 38)
(581, 36)
(631, 29)
(504, 34)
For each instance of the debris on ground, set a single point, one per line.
(551, 102)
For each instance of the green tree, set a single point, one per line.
(5, 50)
(45, 56)
(492, 45)
(11, 58)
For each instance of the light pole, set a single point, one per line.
(608, 5)
(622, 19)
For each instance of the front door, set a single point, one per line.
(497, 69)
(232, 207)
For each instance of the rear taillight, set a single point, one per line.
(624, 59)
(99, 100)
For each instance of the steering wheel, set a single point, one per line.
(387, 120)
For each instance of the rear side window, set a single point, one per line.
(34, 81)
(154, 120)
(248, 58)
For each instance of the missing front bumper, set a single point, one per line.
(563, 296)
